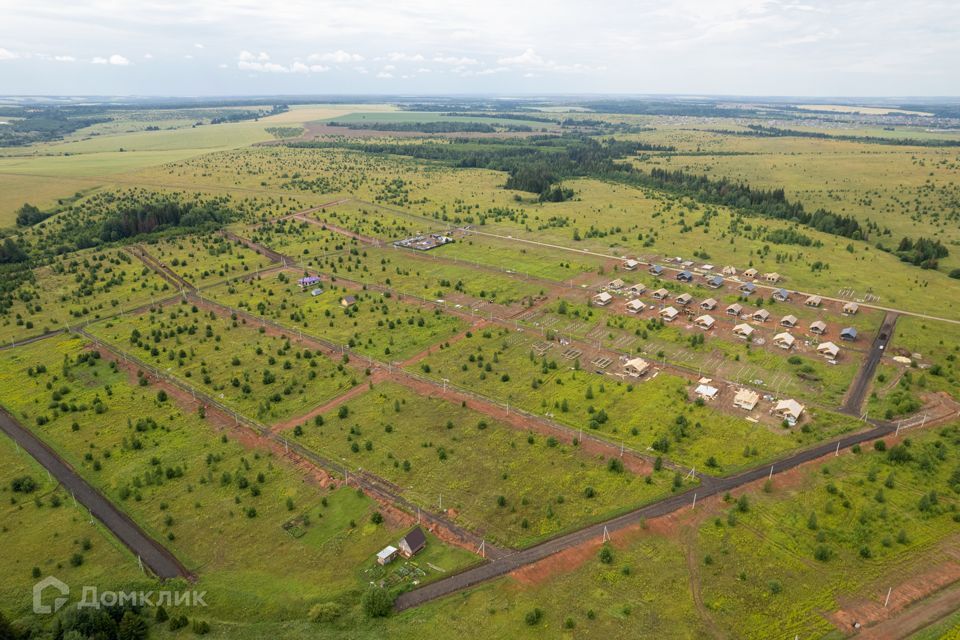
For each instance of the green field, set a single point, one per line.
(206, 260)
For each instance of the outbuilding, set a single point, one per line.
(413, 542)
(706, 392)
(387, 555)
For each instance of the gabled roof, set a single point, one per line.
(781, 294)
(748, 287)
(706, 391)
(813, 301)
(848, 333)
(415, 540)
(684, 275)
(715, 281)
(828, 349)
(851, 308)
(661, 293)
(636, 305)
(784, 339)
(708, 304)
(790, 408)
(746, 399)
(669, 312)
(789, 320)
(656, 269)
(684, 298)
(818, 326)
(743, 329)
(637, 364)
(616, 284)
(761, 314)
(735, 308)
(705, 321)
(603, 296)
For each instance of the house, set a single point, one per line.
(616, 285)
(707, 267)
(636, 289)
(750, 273)
(309, 281)
(602, 299)
(789, 321)
(828, 350)
(747, 288)
(316, 292)
(813, 301)
(781, 295)
(387, 555)
(413, 542)
(684, 299)
(715, 282)
(636, 367)
(790, 410)
(743, 330)
(818, 327)
(348, 301)
(784, 340)
(734, 309)
(729, 271)
(685, 276)
(630, 265)
(705, 322)
(848, 333)
(773, 277)
(709, 304)
(761, 315)
(635, 306)
(746, 399)
(669, 314)
(706, 392)
(850, 308)
(655, 269)
(661, 294)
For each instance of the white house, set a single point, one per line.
(828, 350)
(669, 314)
(684, 299)
(631, 264)
(387, 555)
(635, 306)
(709, 304)
(636, 367)
(789, 321)
(743, 330)
(790, 410)
(746, 399)
(818, 327)
(784, 340)
(735, 309)
(705, 322)
(602, 299)
(761, 315)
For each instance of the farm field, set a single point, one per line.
(217, 499)
(651, 415)
(375, 324)
(259, 374)
(479, 467)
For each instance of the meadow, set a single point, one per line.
(204, 260)
(259, 374)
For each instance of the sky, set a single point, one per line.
(502, 47)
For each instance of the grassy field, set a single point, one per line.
(219, 505)
(432, 448)
(376, 324)
(203, 260)
(80, 287)
(652, 412)
(258, 374)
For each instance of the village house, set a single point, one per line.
(850, 308)
(685, 276)
(636, 367)
(818, 327)
(635, 306)
(784, 340)
(747, 288)
(709, 304)
(789, 321)
(715, 282)
(348, 301)
(616, 285)
(813, 301)
(734, 309)
(669, 314)
(772, 277)
(413, 543)
(630, 265)
(661, 294)
(684, 299)
(828, 350)
(781, 295)
(706, 392)
(790, 410)
(743, 330)
(308, 281)
(602, 299)
(729, 271)
(848, 333)
(761, 315)
(705, 322)
(750, 273)
(746, 399)
(637, 289)
(655, 269)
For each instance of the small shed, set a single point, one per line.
(387, 555)
(316, 292)
(707, 392)
(413, 542)
(348, 301)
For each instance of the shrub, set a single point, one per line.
(377, 602)
(325, 612)
(533, 617)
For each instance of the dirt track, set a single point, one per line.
(155, 556)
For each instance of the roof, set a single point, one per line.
(416, 539)
(782, 293)
(709, 303)
(848, 332)
(616, 284)
(747, 397)
(308, 280)
(348, 299)
(851, 307)
(828, 348)
(603, 296)
(705, 320)
(639, 287)
(789, 407)
(661, 293)
(789, 319)
(686, 275)
(387, 552)
(735, 307)
(716, 280)
(631, 262)
(707, 391)
(748, 287)
(743, 329)
(637, 363)
(656, 269)
(669, 312)
(814, 301)
(684, 298)
(784, 338)
(761, 313)
(750, 272)
(636, 304)
(818, 325)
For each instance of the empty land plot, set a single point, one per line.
(299, 240)
(851, 529)
(218, 505)
(374, 221)
(43, 529)
(935, 349)
(482, 468)
(260, 374)
(202, 260)
(428, 278)
(540, 262)
(652, 414)
(78, 287)
(373, 323)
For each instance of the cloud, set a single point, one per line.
(397, 56)
(6, 54)
(64, 58)
(261, 63)
(528, 58)
(384, 74)
(455, 61)
(339, 57)
(246, 56)
(198, 46)
(116, 59)
(148, 56)
(531, 60)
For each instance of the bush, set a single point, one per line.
(178, 622)
(377, 602)
(201, 627)
(606, 555)
(533, 617)
(24, 484)
(325, 612)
